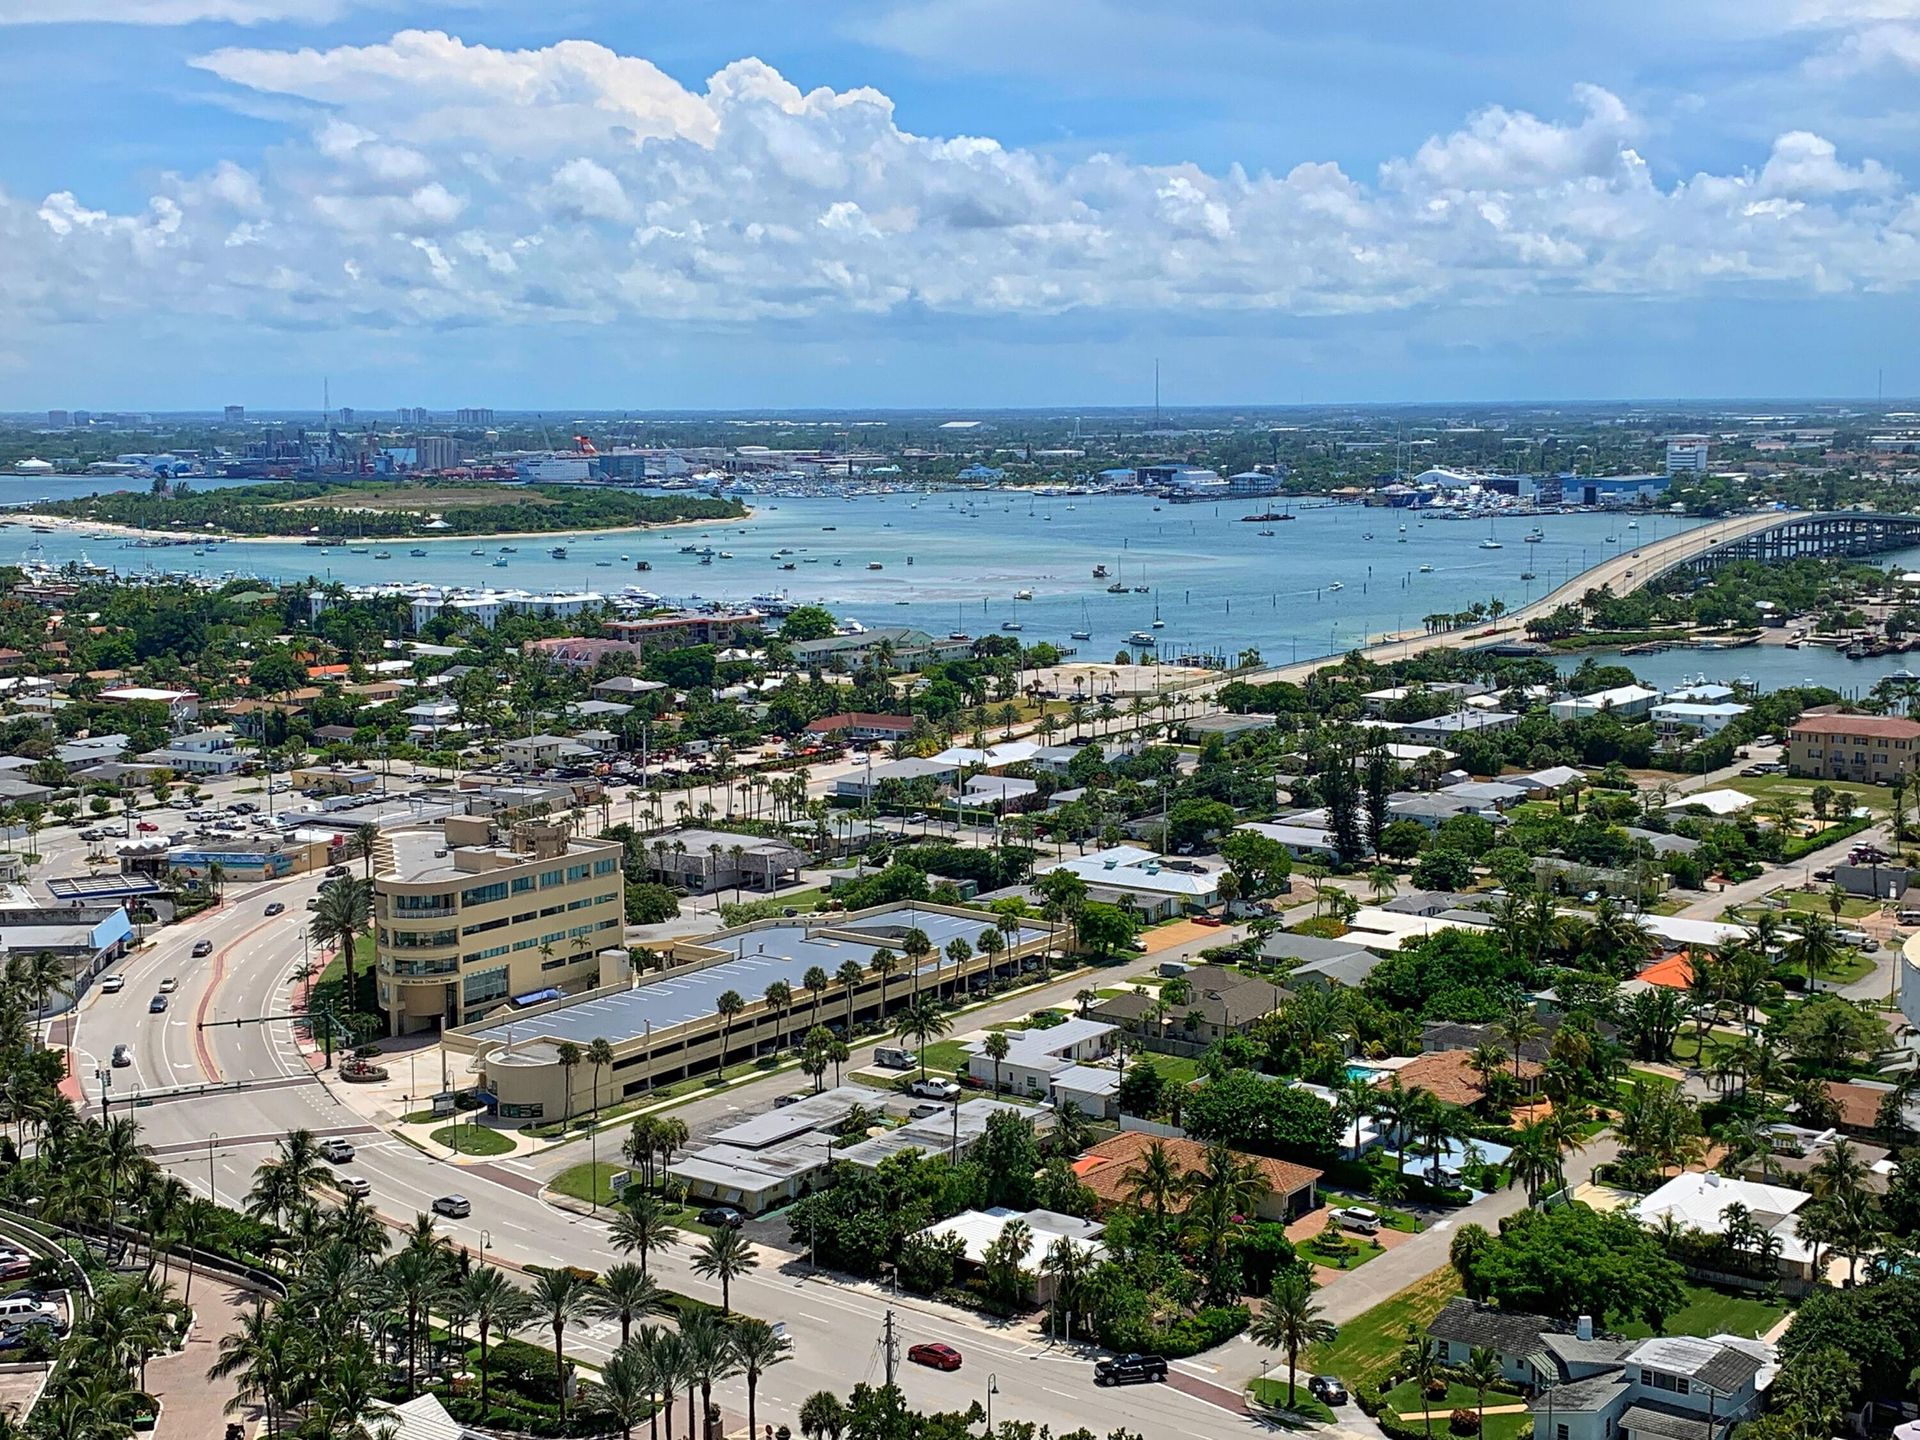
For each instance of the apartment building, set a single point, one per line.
(472, 915)
(1871, 748)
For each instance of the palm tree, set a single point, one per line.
(671, 1370)
(627, 1293)
(285, 1184)
(417, 1281)
(626, 1389)
(1420, 1363)
(643, 1225)
(779, 997)
(757, 1348)
(725, 1256)
(822, 1416)
(1227, 1186)
(255, 1354)
(727, 1006)
(710, 1353)
(1519, 1027)
(1355, 1105)
(495, 1305)
(1480, 1374)
(996, 1049)
(1817, 947)
(816, 982)
(916, 947)
(921, 1023)
(850, 975)
(342, 910)
(1394, 1106)
(1157, 1181)
(1291, 1321)
(883, 964)
(559, 1298)
(569, 1056)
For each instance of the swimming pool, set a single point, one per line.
(1357, 1071)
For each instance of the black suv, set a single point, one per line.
(1130, 1370)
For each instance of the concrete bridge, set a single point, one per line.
(1770, 536)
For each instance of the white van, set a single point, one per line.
(894, 1058)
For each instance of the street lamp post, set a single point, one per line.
(993, 1389)
(213, 1190)
(486, 1239)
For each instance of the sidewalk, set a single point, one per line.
(191, 1406)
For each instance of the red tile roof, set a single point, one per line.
(1447, 1076)
(1106, 1167)
(1889, 727)
(1859, 1105)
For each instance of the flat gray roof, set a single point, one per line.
(778, 952)
(816, 1112)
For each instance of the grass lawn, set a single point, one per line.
(1800, 788)
(1182, 1069)
(1272, 1393)
(1687, 1052)
(1407, 1400)
(472, 1140)
(1363, 1251)
(943, 1058)
(1648, 1077)
(1364, 1352)
(1713, 1312)
(1851, 908)
(589, 1181)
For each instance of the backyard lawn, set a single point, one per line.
(1406, 1400)
(588, 1181)
(1716, 1312)
(1364, 1352)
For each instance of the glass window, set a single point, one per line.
(484, 894)
(483, 985)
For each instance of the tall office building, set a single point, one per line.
(1687, 455)
(59, 419)
(474, 415)
(412, 416)
(468, 916)
(236, 414)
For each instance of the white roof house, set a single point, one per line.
(1700, 1201)
(1146, 872)
(1626, 700)
(978, 1229)
(1678, 931)
(1035, 1059)
(1715, 802)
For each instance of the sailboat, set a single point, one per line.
(1158, 623)
(1489, 543)
(1085, 632)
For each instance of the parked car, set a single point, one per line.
(356, 1185)
(157, 1005)
(202, 948)
(113, 984)
(934, 1088)
(122, 1055)
(935, 1356)
(1358, 1218)
(276, 908)
(1212, 922)
(780, 1102)
(335, 1149)
(454, 1207)
(925, 1109)
(1131, 1369)
(723, 1217)
(14, 1263)
(148, 826)
(1327, 1389)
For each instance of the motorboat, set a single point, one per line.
(1141, 637)
(871, 565)
(1023, 594)
(1489, 544)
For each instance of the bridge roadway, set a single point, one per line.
(1624, 572)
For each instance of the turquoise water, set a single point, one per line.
(1324, 582)
(1363, 1072)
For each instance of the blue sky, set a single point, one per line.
(953, 202)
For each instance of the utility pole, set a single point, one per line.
(890, 1349)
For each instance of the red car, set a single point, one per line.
(940, 1357)
(148, 825)
(1212, 922)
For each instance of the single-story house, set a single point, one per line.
(1108, 1168)
(978, 1229)
(1699, 1201)
(1034, 1057)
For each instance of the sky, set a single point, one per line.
(742, 204)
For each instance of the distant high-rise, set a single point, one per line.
(236, 414)
(345, 412)
(417, 416)
(1687, 455)
(59, 419)
(83, 417)
(474, 415)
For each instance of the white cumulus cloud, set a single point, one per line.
(424, 180)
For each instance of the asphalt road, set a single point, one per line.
(213, 1140)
